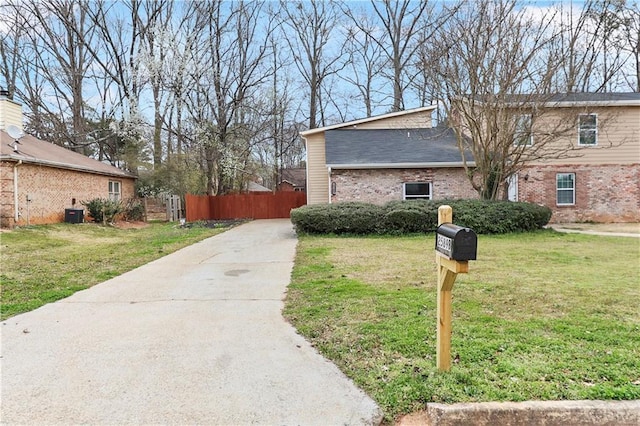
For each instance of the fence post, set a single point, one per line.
(173, 207)
(146, 208)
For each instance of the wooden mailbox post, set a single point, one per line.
(455, 246)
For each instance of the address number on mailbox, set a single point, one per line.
(456, 242)
(443, 243)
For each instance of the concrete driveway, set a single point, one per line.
(196, 337)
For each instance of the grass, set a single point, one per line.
(540, 316)
(42, 264)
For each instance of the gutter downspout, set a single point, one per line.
(306, 167)
(16, 214)
(330, 192)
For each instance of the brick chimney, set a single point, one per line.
(10, 111)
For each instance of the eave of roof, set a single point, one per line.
(580, 104)
(595, 99)
(289, 182)
(367, 120)
(400, 165)
(28, 160)
(31, 150)
(576, 100)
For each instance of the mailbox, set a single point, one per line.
(456, 242)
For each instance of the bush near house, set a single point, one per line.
(133, 210)
(103, 210)
(338, 218)
(418, 216)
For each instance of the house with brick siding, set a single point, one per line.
(40, 180)
(293, 179)
(400, 156)
(383, 158)
(601, 181)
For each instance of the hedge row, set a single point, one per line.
(418, 216)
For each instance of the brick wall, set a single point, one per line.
(604, 193)
(51, 190)
(379, 186)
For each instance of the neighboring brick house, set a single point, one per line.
(293, 179)
(40, 180)
(399, 156)
(256, 187)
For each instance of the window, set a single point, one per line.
(416, 190)
(565, 189)
(522, 135)
(588, 129)
(114, 190)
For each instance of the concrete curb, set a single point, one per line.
(602, 234)
(569, 230)
(565, 413)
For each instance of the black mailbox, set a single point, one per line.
(456, 242)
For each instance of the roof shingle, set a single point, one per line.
(392, 147)
(34, 150)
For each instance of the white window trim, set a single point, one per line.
(110, 186)
(580, 131)
(415, 197)
(573, 190)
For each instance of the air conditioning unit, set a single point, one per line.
(74, 215)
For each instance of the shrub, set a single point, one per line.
(418, 216)
(133, 210)
(338, 218)
(402, 217)
(499, 217)
(103, 210)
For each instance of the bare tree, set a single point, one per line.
(308, 28)
(282, 139)
(365, 61)
(631, 35)
(12, 57)
(57, 32)
(592, 46)
(116, 52)
(229, 71)
(155, 43)
(497, 73)
(404, 26)
(425, 84)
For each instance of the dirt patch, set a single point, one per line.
(221, 223)
(420, 418)
(130, 225)
(625, 228)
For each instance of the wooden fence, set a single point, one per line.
(243, 206)
(167, 208)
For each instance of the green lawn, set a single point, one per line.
(42, 264)
(540, 316)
